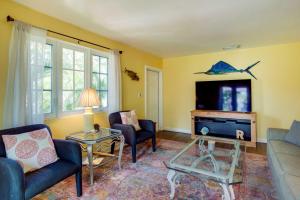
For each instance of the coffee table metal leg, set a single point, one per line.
(121, 150)
(172, 178)
(90, 158)
(228, 193)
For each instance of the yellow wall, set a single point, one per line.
(131, 58)
(275, 95)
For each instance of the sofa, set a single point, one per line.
(15, 185)
(284, 162)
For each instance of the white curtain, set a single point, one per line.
(24, 87)
(114, 83)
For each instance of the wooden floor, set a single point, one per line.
(261, 148)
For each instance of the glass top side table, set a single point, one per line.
(101, 141)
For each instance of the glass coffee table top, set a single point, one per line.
(220, 160)
(223, 163)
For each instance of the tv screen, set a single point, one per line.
(229, 95)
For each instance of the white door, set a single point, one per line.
(152, 96)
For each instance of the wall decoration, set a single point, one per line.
(222, 67)
(133, 75)
(204, 130)
(239, 134)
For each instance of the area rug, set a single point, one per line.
(146, 179)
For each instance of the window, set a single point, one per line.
(72, 78)
(47, 80)
(100, 78)
(67, 71)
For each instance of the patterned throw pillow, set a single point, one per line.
(32, 150)
(131, 119)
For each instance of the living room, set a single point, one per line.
(101, 66)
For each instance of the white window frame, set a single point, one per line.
(57, 75)
(101, 54)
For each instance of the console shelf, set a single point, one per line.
(225, 124)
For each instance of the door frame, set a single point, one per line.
(160, 94)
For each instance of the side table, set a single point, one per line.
(100, 141)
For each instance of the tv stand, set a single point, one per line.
(233, 125)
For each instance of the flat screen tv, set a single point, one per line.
(227, 95)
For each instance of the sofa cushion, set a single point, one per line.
(32, 150)
(279, 146)
(289, 163)
(293, 135)
(293, 183)
(42, 179)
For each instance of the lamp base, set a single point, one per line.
(88, 120)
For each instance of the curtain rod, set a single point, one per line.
(11, 19)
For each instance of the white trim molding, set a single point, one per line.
(178, 130)
(262, 140)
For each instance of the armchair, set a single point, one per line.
(133, 137)
(15, 185)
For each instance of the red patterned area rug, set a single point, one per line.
(147, 179)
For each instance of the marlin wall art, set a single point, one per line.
(222, 67)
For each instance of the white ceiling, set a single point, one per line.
(181, 27)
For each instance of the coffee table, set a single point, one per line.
(221, 165)
(103, 142)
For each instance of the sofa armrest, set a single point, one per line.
(12, 182)
(128, 131)
(276, 134)
(147, 125)
(68, 150)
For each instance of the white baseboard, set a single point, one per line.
(178, 130)
(262, 140)
(187, 131)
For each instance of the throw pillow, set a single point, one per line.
(131, 119)
(293, 136)
(32, 150)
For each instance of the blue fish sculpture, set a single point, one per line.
(222, 67)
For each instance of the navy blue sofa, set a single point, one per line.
(15, 185)
(133, 137)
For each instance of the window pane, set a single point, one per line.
(67, 79)
(95, 63)
(68, 100)
(67, 58)
(79, 60)
(77, 100)
(79, 80)
(47, 101)
(103, 82)
(48, 55)
(47, 78)
(103, 65)
(96, 81)
(103, 99)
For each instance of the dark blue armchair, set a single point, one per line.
(131, 136)
(15, 185)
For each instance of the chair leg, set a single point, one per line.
(154, 143)
(78, 177)
(133, 153)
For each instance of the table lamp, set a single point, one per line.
(89, 99)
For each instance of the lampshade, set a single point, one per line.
(89, 98)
